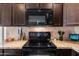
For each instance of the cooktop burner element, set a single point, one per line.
(38, 44)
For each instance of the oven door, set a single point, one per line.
(33, 51)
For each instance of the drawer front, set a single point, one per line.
(1, 52)
(12, 52)
(64, 52)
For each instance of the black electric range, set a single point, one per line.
(38, 44)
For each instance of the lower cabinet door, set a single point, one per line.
(75, 53)
(12, 52)
(1, 52)
(64, 52)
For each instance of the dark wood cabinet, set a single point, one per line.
(13, 14)
(12, 52)
(0, 12)
(1, 52)
(75, 53)
(46, 5)
(64, 52)
(57, 52)
(71, 14)
(39, 5)
(31, 5)
(18, 14)
(5, 14)
(58, 14)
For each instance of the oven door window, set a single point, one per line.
(37, 20)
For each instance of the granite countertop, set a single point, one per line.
(60, 44)
(14, 44)
(66, 44)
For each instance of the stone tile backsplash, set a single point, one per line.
(13, 31)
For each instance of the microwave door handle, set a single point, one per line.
(37, 22)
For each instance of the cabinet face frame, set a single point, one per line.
(18, 13)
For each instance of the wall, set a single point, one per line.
(13, 31)
(1, 37)
(76, 29)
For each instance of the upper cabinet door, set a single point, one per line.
(32, 5)
(5, 14)
(71, 14)
(18, 14)
(58, 14)
(46, 5)
(0, 12)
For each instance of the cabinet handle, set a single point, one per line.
(55, 24)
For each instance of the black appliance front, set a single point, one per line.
(39, 17)
(39, 37)
(38, 44)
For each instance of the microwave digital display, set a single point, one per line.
(74, 37)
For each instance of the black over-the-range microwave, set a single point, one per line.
(39, 17)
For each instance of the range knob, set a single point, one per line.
(39, 10)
